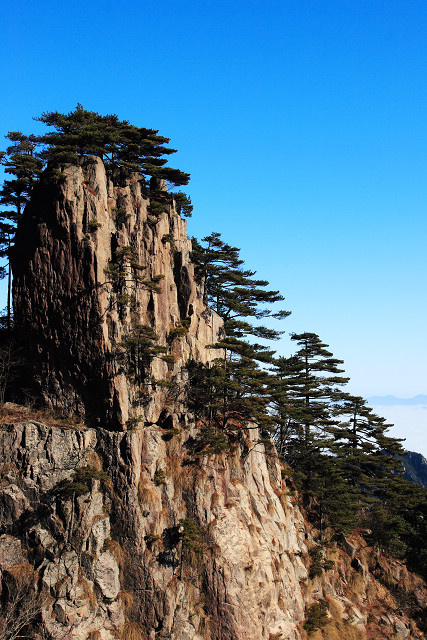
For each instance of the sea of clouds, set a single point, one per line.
(409, 417)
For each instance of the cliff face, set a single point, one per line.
(116, 552)
(129, 531)
(88, 257)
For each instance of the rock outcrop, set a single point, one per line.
(89, 258)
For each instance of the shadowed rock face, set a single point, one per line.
(73, 315)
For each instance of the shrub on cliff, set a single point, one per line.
(81, 481)
(316, 616)
(22, 605)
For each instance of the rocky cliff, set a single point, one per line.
(114, 523)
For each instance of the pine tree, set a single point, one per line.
(371, 457)
(345, 463)
(392, 508)
(286, 409)
(232, 391)
(410, 502)
(237, 297)
(231, 290)
(313, 381)
(19, 161)
(304, 389)
(228, 395)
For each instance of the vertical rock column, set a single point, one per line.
(72, 319)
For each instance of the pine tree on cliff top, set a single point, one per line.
(123, 147)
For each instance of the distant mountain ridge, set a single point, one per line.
(415, 468)
(393, 400)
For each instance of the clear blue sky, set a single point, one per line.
(303, 125)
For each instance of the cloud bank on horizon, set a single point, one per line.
(409, 419)
(394, 400)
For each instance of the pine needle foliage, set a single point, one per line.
(232, 291)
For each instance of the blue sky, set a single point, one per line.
(303, 125)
